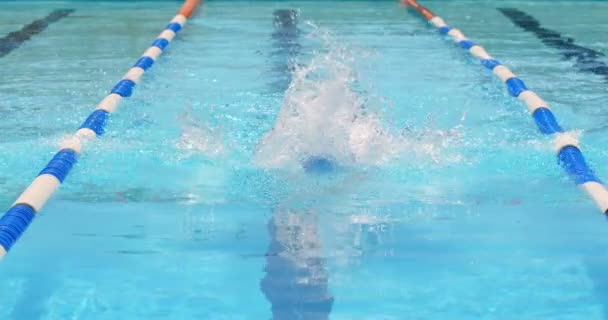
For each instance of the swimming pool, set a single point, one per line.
(190, 206)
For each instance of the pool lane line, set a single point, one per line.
(295, 281)
(566, 144)
(15, 39)
(286, 48)
(16, 220)
(586, 58)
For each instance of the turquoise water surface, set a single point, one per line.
(440, 200)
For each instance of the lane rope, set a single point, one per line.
(16, 220)
(565, 143)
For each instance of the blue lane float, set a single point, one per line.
(572, 160)
(144, 62)
(14, 223)
(96, 121)
(16, 220)
(546, 122)
(61, 164)
(490, 63)
(445, 29)
(466, 44)
(161, 43)
(124, 88)
(566, 144)
(174, 26)
(515, 86)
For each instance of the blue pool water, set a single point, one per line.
(347, 164)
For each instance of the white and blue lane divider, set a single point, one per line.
(566, 143)
(16, 220)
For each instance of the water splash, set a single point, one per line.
(324, 116)
(197, 137)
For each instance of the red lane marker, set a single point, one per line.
(189, 7)
(426, 13)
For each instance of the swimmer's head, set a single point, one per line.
(318, 165)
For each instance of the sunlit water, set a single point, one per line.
(440, 199)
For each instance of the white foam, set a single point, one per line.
(321, 115)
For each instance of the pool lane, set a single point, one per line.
(565, 143)
(15, 39)
(586, 59)
(22, 212)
